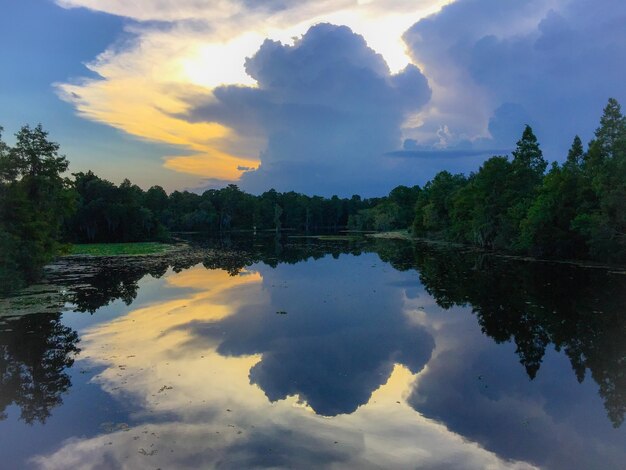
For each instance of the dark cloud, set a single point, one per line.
(328, 107)
(551, 65)
(506, 123)
(446, 154)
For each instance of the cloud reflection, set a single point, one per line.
(197, 408)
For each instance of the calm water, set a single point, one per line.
(301, 354)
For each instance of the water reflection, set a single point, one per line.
(35, 350)
(302, 354)
(535, 305)
(323, 337)
(199, 404)
(88, 284)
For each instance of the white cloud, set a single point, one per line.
(490, 65)
(174, 49)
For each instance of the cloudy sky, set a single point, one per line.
(324, 96)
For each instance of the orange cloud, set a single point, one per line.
(209, 165)
(150, 111)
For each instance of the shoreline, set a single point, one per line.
(405, 236)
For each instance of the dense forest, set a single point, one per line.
(576, 209)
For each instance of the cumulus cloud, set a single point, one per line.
(495, 66)
(300, 102)
(176, 49)
(328, 106)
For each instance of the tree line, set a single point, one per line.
(108, 213)
(575, 210)
(42, 209)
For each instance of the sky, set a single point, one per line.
(322, 97)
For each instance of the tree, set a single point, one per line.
(434, 204)
(547, 229)
(611, 130)
(602, 220)
(575, 154)
(528, 155)
(480, 209)
(405, 198)
(9, 166)
(155, 199)
(35, 199)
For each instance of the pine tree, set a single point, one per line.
(528, 154)
(612, 128)
(575, 154)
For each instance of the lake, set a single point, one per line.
(314, 353)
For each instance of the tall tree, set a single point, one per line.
(528, 154)
(612, 127)
(576, 153)
(35, 201)
(603, 220)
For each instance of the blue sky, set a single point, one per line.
(322, 97)
(42, 44)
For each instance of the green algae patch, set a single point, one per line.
(119, 249)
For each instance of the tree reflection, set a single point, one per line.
(92, 283)
(36, 348)
(579, 311)
(535, 304)
(35, 351)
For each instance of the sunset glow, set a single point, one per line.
(144, 84)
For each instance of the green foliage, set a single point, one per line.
(404, 199)
(528, 157)
(34, 202)
(119, 249)
(547, 229)
(601, 220)
(576, 153)
(434, 204)
(487, 208)
(610, 134)
(388, 213)
(108, 213)
(480, 212)
(576, 210)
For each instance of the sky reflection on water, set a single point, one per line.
(335, 362)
